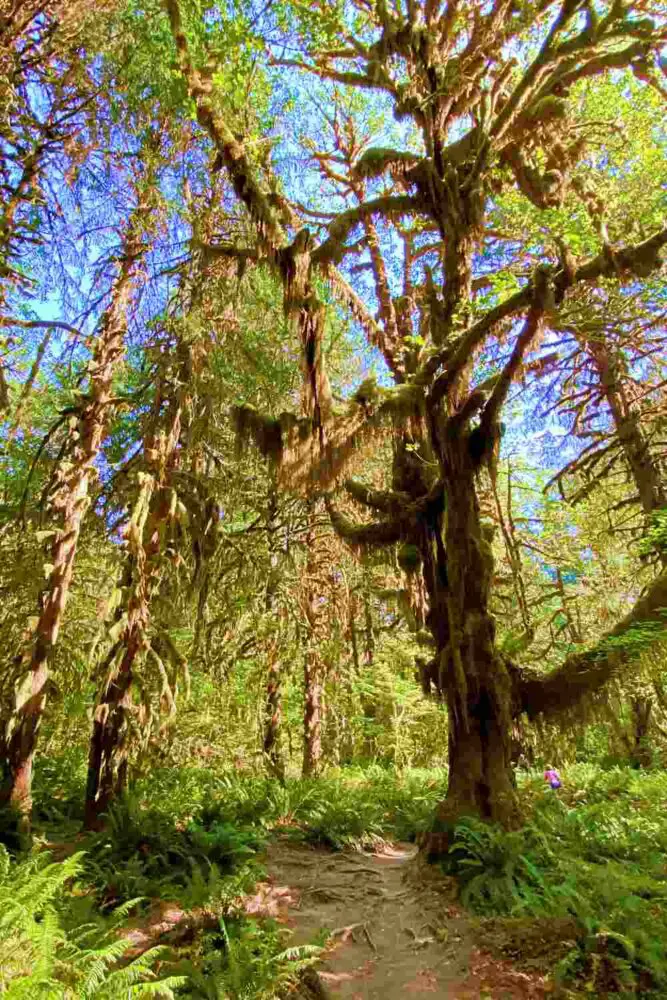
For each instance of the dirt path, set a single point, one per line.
(396, 931)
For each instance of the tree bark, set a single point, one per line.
(476, 678)
(637, 453)
(107, 756)
(71, 499)
(313, 666)
(273, 708)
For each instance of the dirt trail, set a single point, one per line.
(396, 932)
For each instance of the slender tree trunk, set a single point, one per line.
(107, 756)
(640, 753)
(313, 665)
(273, 710)
(354, 641)
(369, 652)
(274, 714)
(637, 453)
(71, 500)
(312, 713)
(512, 549)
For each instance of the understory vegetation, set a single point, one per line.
(579, 890)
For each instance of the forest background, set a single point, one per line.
(332, 388)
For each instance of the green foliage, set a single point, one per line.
(58, 786)
(492, 867)
(146, 851)
(386, 719)
(246, 960)
(656, 537)
(40, 959)
(349, 806)
(595, 853)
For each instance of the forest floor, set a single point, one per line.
(394, 928)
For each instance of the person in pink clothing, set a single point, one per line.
(553, 777)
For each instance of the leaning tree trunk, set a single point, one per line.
(71, 499)
(646, 476)
(643, 468)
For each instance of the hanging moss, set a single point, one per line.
(409, 558)
(375, 162)
(265, 432)
(402, 400)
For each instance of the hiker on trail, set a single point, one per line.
(553, 777)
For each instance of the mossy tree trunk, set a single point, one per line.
(315, 613)
(476, 679)
(108, 749)
(273, 707)
(71, 500)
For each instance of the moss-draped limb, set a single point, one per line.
(584, 674)
(287, 439)
(374, 162)
(373, 535)
(231, 151)
(264, 431)
(333, 249)
(640, 259)
(386, 501)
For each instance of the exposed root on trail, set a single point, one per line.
(394, 929)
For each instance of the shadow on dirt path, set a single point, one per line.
(395, 930)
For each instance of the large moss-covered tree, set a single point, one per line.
(488, 100)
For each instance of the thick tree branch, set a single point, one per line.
(231, 151)
(585, 673)
(376, 534)
(640, 259)
(530, 330)
(386, 501)
(375, 333)
(333, 249)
